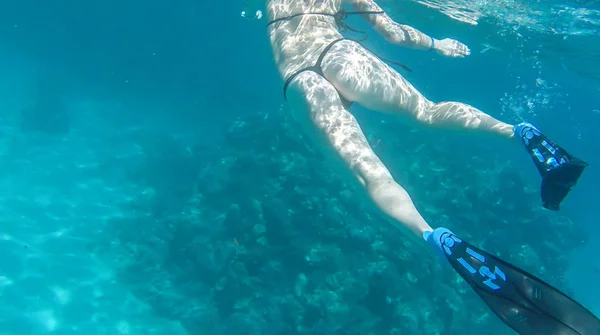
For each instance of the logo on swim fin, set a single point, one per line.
(470, 260)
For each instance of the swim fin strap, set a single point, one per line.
(524, 302)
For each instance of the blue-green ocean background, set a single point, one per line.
(151, 181)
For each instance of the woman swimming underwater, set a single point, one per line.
(324, 73)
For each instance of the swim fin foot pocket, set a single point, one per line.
(524, 302)
(559, 169)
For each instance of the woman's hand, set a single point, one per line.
(451, 48)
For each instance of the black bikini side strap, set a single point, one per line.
(299, 14)
(362, 12)
(342, 26)
(395, 63)
(389, 61)
(342, 14)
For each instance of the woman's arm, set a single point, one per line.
(404, 35)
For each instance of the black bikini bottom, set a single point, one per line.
(318, 70)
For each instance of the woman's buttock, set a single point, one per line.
(360, 76)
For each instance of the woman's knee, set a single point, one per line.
(374, 175)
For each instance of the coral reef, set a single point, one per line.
(264, 239)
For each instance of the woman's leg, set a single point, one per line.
(317, 105)
(363, 78)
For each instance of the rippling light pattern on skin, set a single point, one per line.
(351, 69)
(321, 68)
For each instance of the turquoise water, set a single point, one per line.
(153, 182)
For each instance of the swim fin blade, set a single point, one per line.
(559, 170)
(557, 183)
(524, 302)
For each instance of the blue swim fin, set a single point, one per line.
(524, 302)
(559, 169)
